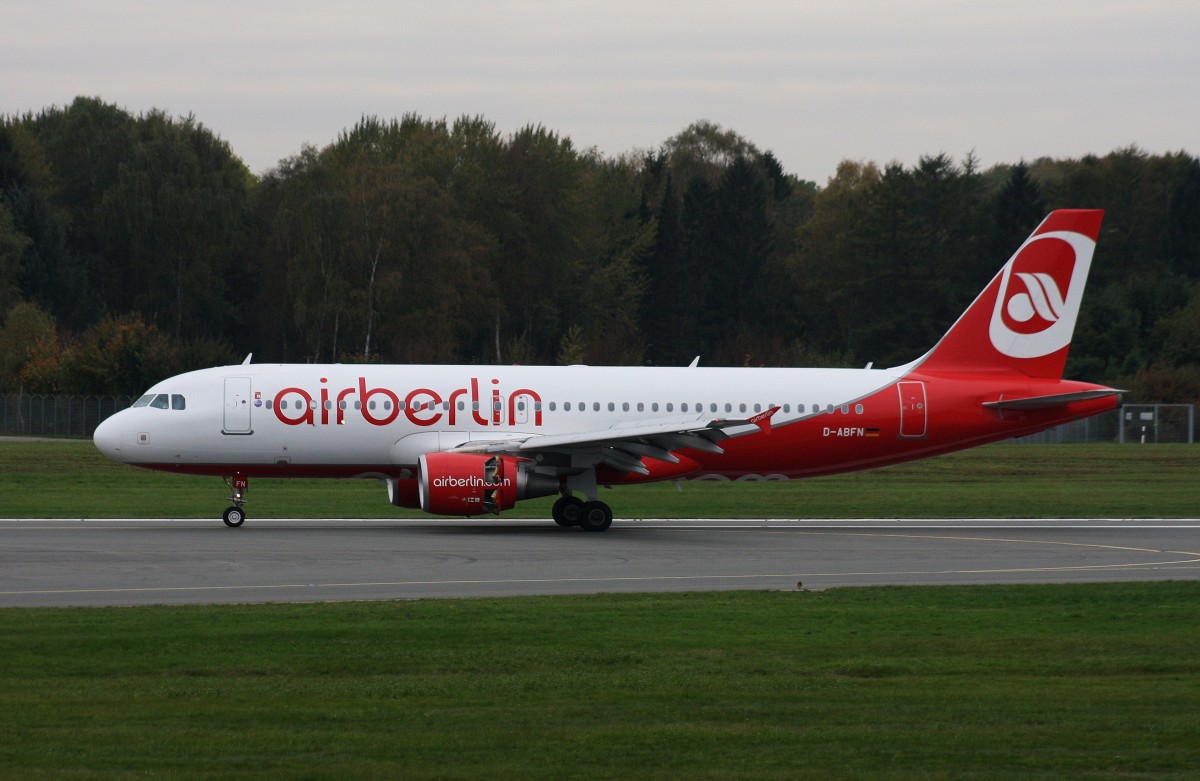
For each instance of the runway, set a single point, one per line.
(162, 561)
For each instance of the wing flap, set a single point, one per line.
(625, 445)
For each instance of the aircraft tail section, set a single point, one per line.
(1024, 319)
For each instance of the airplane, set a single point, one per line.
(475, 440)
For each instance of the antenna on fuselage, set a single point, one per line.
(695, 362)
(248, 357)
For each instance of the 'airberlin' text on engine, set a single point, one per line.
(471, 481)
(422, 406)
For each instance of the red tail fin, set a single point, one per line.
(1023, 320)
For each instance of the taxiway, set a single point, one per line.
(162, 561)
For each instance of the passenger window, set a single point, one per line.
(178, 402)
(625, 407)
(269, 404)
(758, 408)
(595, 406)
(654, 407)
(566, 406)
(611, 406)
(683, 407)
(160, 401)
(641, 407)
(858, 409)
(712, 407)
(670, 407)
(552, 406)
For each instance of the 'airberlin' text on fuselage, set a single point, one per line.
(421, 406)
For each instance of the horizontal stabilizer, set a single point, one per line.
(1051, 401)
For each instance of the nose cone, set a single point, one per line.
(108, 437)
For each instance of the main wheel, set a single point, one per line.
(566, 511)
(234, 516)
(596, 517)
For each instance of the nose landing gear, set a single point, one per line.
(235, 516)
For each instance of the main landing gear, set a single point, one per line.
(235, 516)
(594, 516)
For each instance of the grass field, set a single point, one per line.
(1029, 682)
(72, 479)
(1024, 682)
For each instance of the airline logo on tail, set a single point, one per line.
(1040, 292)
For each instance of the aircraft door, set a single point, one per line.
(914, 413)
(237, 406)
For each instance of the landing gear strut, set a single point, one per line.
(235, 516)
(590, 516)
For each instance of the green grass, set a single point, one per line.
(72, 479)
(1023, 682)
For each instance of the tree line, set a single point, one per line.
(135, 247)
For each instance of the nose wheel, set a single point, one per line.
(235, 516)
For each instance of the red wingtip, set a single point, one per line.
(763, 419)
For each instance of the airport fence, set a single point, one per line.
(25, 414)
(34, 415)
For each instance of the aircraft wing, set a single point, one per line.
(623, 446)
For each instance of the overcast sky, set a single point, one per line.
(814, 82)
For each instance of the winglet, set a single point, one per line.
(763, 419)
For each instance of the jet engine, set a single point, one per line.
(474, 484)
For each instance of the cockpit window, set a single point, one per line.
(178, 402)
(144, 400)
(160, 402)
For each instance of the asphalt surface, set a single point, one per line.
(134, 562)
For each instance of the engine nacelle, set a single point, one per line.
(403, 492)
(474, 484)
